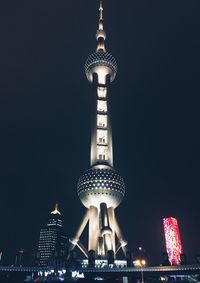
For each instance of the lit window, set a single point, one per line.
(101, 91)
(102, 121)
(102, 153)
(102, 136)
(101, 106)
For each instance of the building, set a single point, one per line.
(172, 240)
(52, 242)
(18, 257)
(101, 189)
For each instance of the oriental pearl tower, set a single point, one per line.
(101, 189)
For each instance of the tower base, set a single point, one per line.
(105, 236)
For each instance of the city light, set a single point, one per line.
(140, 263)
(172, 239)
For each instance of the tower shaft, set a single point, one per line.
(101, 139)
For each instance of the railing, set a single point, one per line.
(188, 269)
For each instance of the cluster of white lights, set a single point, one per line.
(101, 179)
(47, 242)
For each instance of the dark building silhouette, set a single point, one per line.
(19, 257)
(52, 242)
(183, 259)
(197, 258)
(165, 259)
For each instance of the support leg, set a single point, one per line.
(111, 215)
(106, 231)
(122, 242)
(93, 229)
(75, 241)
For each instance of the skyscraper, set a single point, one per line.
(101, 189)
(52, 242)
(172, 240)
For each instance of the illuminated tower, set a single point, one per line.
(52, 242)
(172, 240)
(101, 189)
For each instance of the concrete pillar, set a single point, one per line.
(106, 231)
(111, 215)
(93, 228)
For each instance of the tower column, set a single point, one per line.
(122, 242)
(101, 139)
(111, 215)
(93, 229)
(106, 231)
(75, 241)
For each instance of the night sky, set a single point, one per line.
(45, 106)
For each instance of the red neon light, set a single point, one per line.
(172, 240)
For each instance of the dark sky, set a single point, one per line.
(45, 105)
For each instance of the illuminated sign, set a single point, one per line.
(172, 240)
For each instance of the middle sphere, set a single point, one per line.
(98, 185)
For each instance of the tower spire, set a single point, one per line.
(101, 11)
(101, 35)
(56, 210)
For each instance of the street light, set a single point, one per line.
(141, 263)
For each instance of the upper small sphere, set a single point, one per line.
(101, 185)
(102, 63)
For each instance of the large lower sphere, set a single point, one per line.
(97, 185)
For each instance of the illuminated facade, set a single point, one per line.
(101, 189)
(52, 242)
(172, 240)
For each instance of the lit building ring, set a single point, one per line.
(97, 59)
(101, 185)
